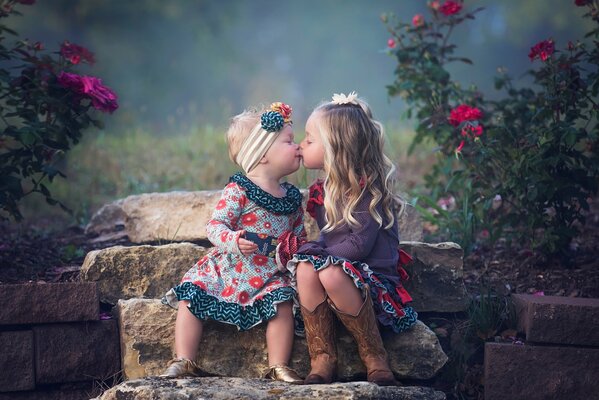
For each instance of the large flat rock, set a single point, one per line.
(139, 271)
(250, 389)
(182, 216)
(149, 271)
(147, 337)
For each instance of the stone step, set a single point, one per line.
(75, 352)
(560, 320)
(182, 216)
(150, 271)
(49, 303)
(250, 389)
(532, 372)
(147, 337)
(16, 361)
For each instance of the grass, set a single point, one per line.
(105, 167)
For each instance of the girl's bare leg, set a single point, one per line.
(310, 290)
(341, 290)
(188, 332)
(279, 335)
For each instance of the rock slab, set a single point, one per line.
(45, 303)
(250, 389)
(182, 216)
(555, 319)
(531, 372)
(139, 271)
(147, 337)
(16, 361)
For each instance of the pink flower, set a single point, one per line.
(542, 50)
(102, 97)
(391, 43)
(463, 113)
(450, 7)
(582, 3)
(434, 5)
(75, 53)
(417, 20)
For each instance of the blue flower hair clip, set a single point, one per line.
(272, 121)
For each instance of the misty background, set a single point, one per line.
(183, 63)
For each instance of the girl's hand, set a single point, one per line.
(246, 247)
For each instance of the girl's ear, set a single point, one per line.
(263, 160)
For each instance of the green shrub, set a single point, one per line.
(521, 167)
(44, 107)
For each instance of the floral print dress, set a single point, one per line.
(226, 285)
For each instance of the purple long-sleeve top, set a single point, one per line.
(368, 243)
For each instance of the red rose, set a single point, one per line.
(75, 53)
(391, 43)
(102, 97)
(450, 7)
(542, 50)
(463, 113)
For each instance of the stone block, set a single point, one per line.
(16, 361)
(147, 338)
(436, 277)
(560, 320)
(530, 372)
(49, 303)
(139, 271)
(74, 352)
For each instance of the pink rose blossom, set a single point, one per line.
(450, 7)
(102, 97)
(391, 43)
(417, 20)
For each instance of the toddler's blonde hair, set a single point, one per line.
(239, 129)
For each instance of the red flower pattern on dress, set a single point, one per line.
(224, 236)
(450, 7)
(228, 291)
(249, 219)
(256, 282)
(221, 204)
(244, 297)
(315, 197)
(260, 260)
(239, 267)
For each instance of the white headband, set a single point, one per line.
(255, 147)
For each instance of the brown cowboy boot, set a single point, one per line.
(320, 335)
(363, 327)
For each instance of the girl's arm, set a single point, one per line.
(221, 227)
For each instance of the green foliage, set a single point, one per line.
(521, 166)
(40, 117)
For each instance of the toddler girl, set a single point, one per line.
(238, 281)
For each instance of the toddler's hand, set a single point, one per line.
(246, 247)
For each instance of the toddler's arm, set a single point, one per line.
(221, 227)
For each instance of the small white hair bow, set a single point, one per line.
(340, 98)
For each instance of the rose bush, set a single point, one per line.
(535, 149)
(44, 107)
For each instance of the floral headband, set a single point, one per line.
(340, 98)
(261, 138)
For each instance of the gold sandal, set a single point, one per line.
(182, 367)
(283, 373)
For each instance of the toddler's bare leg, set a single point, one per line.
(188, 332)
(279, 335)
